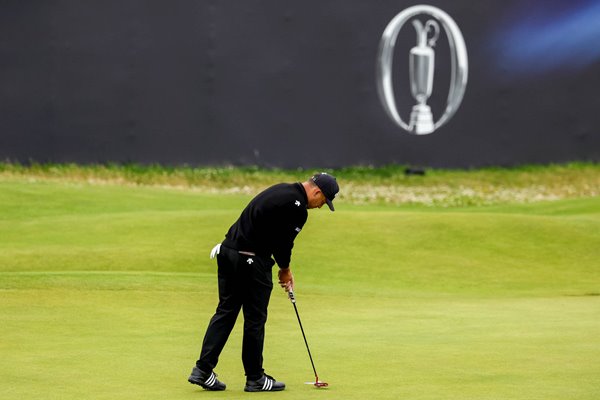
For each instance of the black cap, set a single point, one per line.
(328, 186)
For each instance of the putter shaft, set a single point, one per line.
(293, 299)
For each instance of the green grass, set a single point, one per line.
(361, 185)
(106, 289)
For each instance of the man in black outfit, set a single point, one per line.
(267, 227)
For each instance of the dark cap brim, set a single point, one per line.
(330, 204)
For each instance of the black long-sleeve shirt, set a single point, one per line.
(270, 223)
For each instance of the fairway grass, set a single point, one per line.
(105, 293)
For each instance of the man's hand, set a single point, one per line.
(286, 279)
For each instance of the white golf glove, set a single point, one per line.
(216, 250)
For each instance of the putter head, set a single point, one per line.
(321, 384)
(318, 384)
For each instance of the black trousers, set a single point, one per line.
(246, 283)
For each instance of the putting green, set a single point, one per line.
(105, 292)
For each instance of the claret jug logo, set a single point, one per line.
(421, 67)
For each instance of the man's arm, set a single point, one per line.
(292, 220)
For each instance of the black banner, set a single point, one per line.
(292, 84)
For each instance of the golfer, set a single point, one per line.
(266, 228)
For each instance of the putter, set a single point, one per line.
(317, 383)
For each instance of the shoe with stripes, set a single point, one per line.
(265, 384)
(208, 381)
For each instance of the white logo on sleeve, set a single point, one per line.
(297, 203)
(249, 261)
(298, 230)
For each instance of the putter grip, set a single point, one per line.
(291, 296)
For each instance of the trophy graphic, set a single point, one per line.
(422, 61)
(421, 68)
